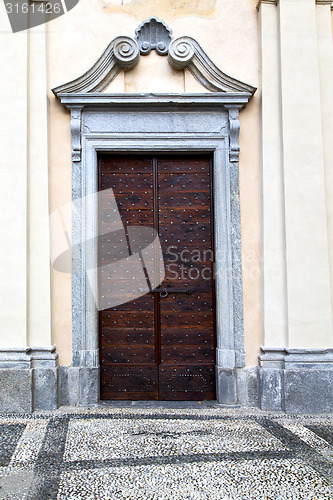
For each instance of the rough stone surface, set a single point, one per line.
(45, 388)
(308, 391)
(294, 391)
(226, 386)
(252, 386)
(68, 385)
(242, 391)
(89, 386)
(270, 389)
(16, 390)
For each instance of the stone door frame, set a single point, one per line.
(146, 123)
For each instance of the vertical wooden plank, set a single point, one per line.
(187, 368)
(127, 331)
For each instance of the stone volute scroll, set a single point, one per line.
(185, 52)
(121, 53)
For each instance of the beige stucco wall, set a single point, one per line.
(228, 32)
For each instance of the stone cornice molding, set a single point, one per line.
(28, 357)
(283, 357)
(124, 53)
(140, 102)
(79, 103)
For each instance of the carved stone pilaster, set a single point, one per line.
(76, 114)
(234, 126)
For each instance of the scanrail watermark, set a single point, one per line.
(25, 14)
(131, 262)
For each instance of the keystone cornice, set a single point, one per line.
(153, 34)
(124, 53)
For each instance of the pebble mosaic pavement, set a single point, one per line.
(165, 452)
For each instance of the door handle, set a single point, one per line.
(164, 292)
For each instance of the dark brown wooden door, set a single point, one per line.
(160, 345)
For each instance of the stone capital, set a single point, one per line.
(275, 2)
(324, 2)
(272, 2)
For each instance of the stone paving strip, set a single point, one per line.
(165, 452)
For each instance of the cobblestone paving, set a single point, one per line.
(165, 452)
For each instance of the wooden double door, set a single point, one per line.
(160, 345)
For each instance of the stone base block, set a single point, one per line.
(270, 389)
(252, 387)
(296, 391)
(16, 390)
(226, 386)
(293, 381)
(296, 380)
(89, 386)
(308, 391)
(45, 388)
(69, 392)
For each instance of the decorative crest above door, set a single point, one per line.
(123, 53)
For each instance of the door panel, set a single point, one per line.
(191, 382)
(160, 346)
(128, 382)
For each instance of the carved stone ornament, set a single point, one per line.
(234, 126)
(153, 34)
(76, 115)
(123, 53)
(185, 52)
